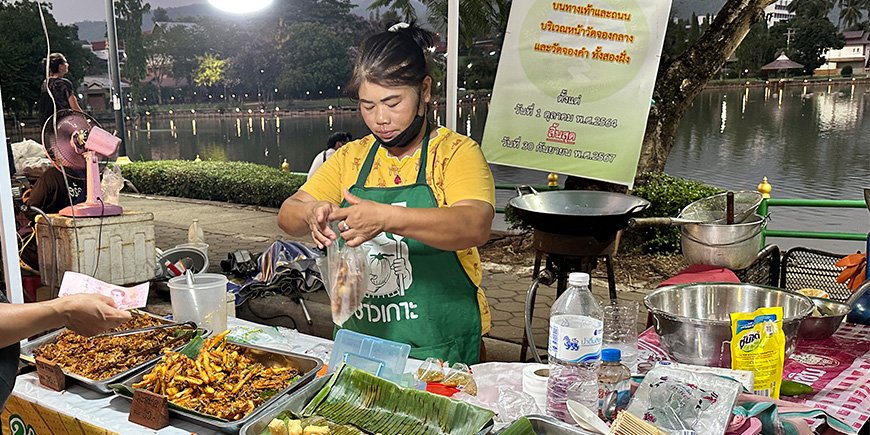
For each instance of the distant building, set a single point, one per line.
(856, 53)
(778, 11)
(95, 90)
(166, 25)
(101, 50)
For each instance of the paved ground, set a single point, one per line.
(230, 227)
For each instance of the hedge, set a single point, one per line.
(238, 182)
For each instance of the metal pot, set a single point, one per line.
(733, 246)
(826, 324)
(694, 320)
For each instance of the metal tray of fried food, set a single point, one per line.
(295, 404)
(546, 425)
(309, 366)
(101, 386)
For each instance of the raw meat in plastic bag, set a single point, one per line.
(348, 279)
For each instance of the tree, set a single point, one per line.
(759, 47)
(22, 70)
(812, 37)
(129, 15)
(851, 12)
(681, 79)
(160, 15)
(312, 60)
(478, 20)
(210, 71)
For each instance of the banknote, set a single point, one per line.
(125, 297)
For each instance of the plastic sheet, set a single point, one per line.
(500, 388)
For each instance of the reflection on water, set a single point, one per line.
(808, 140)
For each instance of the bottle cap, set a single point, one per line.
(611, 355)
(578, 279)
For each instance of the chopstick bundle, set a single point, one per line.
(627, 424)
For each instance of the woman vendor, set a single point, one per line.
(419, 197)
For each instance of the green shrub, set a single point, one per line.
(667, 196)
(238, 182)
(846, 71)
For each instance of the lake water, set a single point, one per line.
(809, 142)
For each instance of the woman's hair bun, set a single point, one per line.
(424, 38)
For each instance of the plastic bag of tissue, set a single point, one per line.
(112, 184)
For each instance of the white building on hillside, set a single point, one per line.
(856, 53)
(778, 11)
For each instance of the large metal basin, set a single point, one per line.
(694, 323)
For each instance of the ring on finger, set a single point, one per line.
(343, 226)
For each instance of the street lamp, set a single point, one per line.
(240, 7)
(338, 96)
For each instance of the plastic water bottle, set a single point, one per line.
(194, 233)
(613, 385)
(574, 348)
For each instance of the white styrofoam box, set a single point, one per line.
(124, 248)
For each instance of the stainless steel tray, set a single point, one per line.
(295, 404)
(309, 366)
(546, 425)
(101, 386)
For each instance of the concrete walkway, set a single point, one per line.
(229, 227)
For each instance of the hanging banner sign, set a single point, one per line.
(574, 84)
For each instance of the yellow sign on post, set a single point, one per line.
(573, 88)
(21, 417)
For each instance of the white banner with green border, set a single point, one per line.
(573, 88)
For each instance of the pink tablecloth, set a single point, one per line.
(838, 369)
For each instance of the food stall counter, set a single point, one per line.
(33, 408)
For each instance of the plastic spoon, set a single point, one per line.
(586, 418)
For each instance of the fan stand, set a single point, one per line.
(93, 205)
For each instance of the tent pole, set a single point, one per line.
(452, 61)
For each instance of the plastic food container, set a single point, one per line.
(205, 302)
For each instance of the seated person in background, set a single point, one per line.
(336, 140)
(50, 194)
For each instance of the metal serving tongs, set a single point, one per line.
(191, 325)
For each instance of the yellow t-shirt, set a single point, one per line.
(456, 171)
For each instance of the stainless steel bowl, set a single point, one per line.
(694, 322)
(825, 325)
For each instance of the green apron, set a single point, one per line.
(416, 294)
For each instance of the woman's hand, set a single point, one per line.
(317, 217)
(90, 314)
(362, 220)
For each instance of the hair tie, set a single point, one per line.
(397, 26)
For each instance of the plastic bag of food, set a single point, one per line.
(348, 278)
(459, 376)
(758, 345)
(112, 184)
(430, 370)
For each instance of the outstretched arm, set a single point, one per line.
(84, 313)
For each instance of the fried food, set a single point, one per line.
(104, 357)
(223, 381)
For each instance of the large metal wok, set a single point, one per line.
(577, 212)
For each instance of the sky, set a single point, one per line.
(73, 11)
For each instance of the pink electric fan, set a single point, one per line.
(78, 143)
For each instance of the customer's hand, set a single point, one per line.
(361, 221)
(317, 218)
(91, 314)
